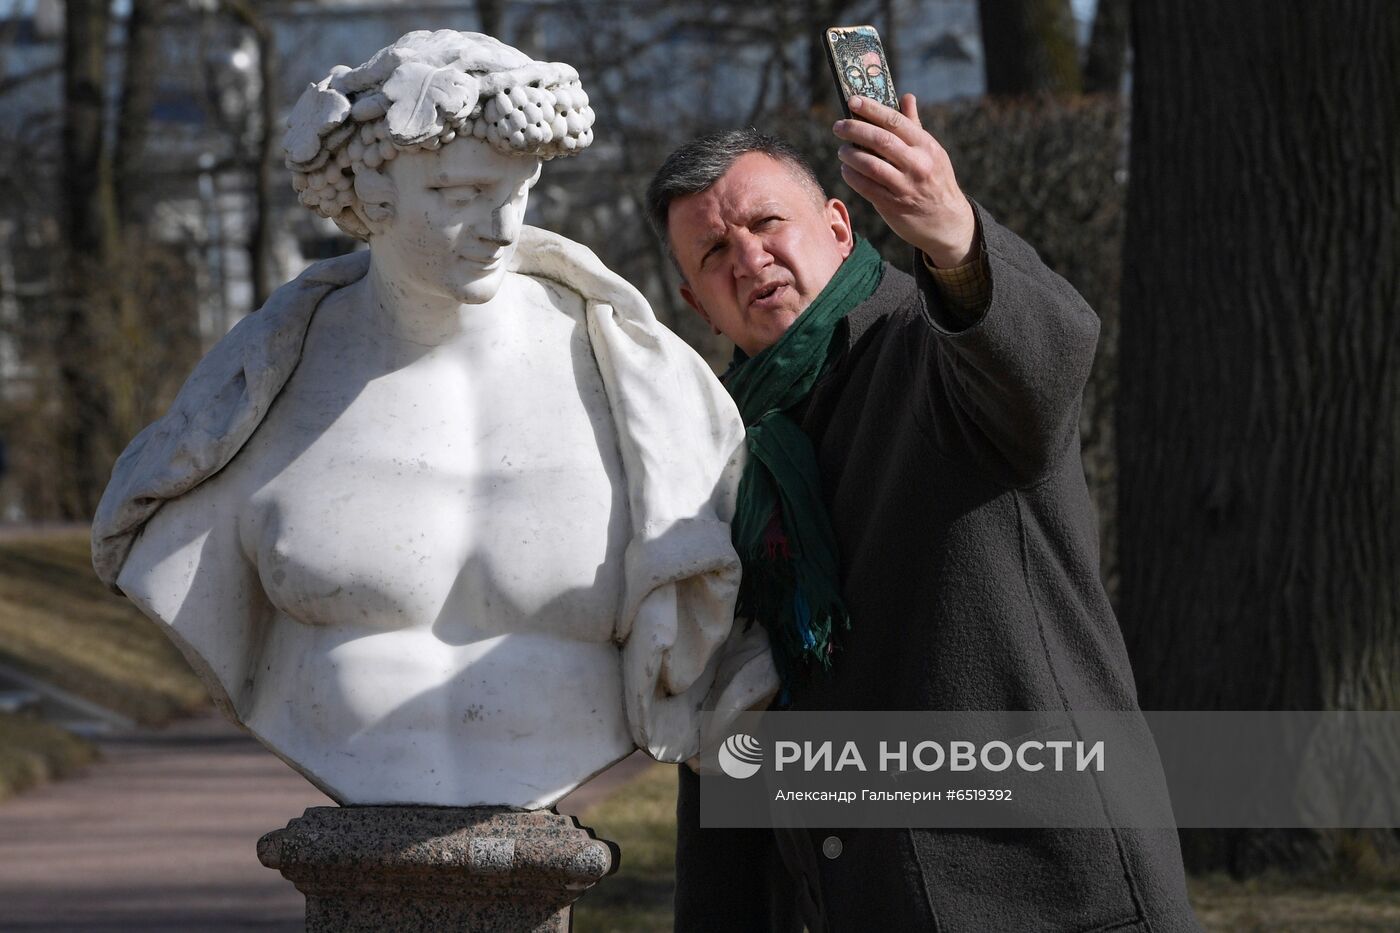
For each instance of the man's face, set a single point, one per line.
(457, 216)
(755, 248)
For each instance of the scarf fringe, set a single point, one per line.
(800, 612)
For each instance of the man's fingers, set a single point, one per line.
(877, 113)
(909, 106)
(871, 166)
(881, 141)
(866, 187)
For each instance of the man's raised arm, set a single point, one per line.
(1018, 339)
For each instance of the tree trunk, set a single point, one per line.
(90, 219)
(889, 34)
(266, 137)
(1028, 47)
(1259, 440)
(489, 12)
(821, 86)
(90, 232)
(138, 93)
(268, 166)
(1107, 55)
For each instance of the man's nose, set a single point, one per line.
(750, 254)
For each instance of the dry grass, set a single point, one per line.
(641, 819)
(1278, 905)
(60, 624)
(32, 752)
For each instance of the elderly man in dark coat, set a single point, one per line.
(914, 522)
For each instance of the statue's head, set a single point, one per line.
(429, 151)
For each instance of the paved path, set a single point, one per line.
(161, 835)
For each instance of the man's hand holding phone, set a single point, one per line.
(892, 161)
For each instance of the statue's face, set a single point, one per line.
(456, 219)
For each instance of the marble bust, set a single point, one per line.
(445, 522)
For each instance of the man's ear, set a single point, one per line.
(840, 219)
(694, 302)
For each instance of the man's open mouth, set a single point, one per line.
(767, 294)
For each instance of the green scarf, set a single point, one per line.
(792, 572)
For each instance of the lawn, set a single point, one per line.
(32, 752)
(58, 623)
(641, 819)
(1279, 905)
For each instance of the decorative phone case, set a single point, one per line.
(858, 63)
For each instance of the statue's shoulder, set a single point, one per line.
(271, 336)
(544, 254)
(546, 292)
(231, 388)
(318, 280)
(215, 412)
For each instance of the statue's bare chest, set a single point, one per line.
(475, 489)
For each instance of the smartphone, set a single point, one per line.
(858, 63)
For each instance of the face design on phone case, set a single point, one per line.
(867, 76)
(861, 64)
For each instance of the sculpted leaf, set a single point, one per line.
(374, 72)
(422, 96)
(319, 110)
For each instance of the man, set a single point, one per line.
(951, 561)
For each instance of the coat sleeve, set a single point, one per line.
(1007, 386)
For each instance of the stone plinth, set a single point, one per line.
(437, 868)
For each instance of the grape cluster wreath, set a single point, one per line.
(423, 92)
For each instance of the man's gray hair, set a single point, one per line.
(701, 162)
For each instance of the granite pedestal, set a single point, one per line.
(409, 868)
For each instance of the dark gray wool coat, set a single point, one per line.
(950, 465)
